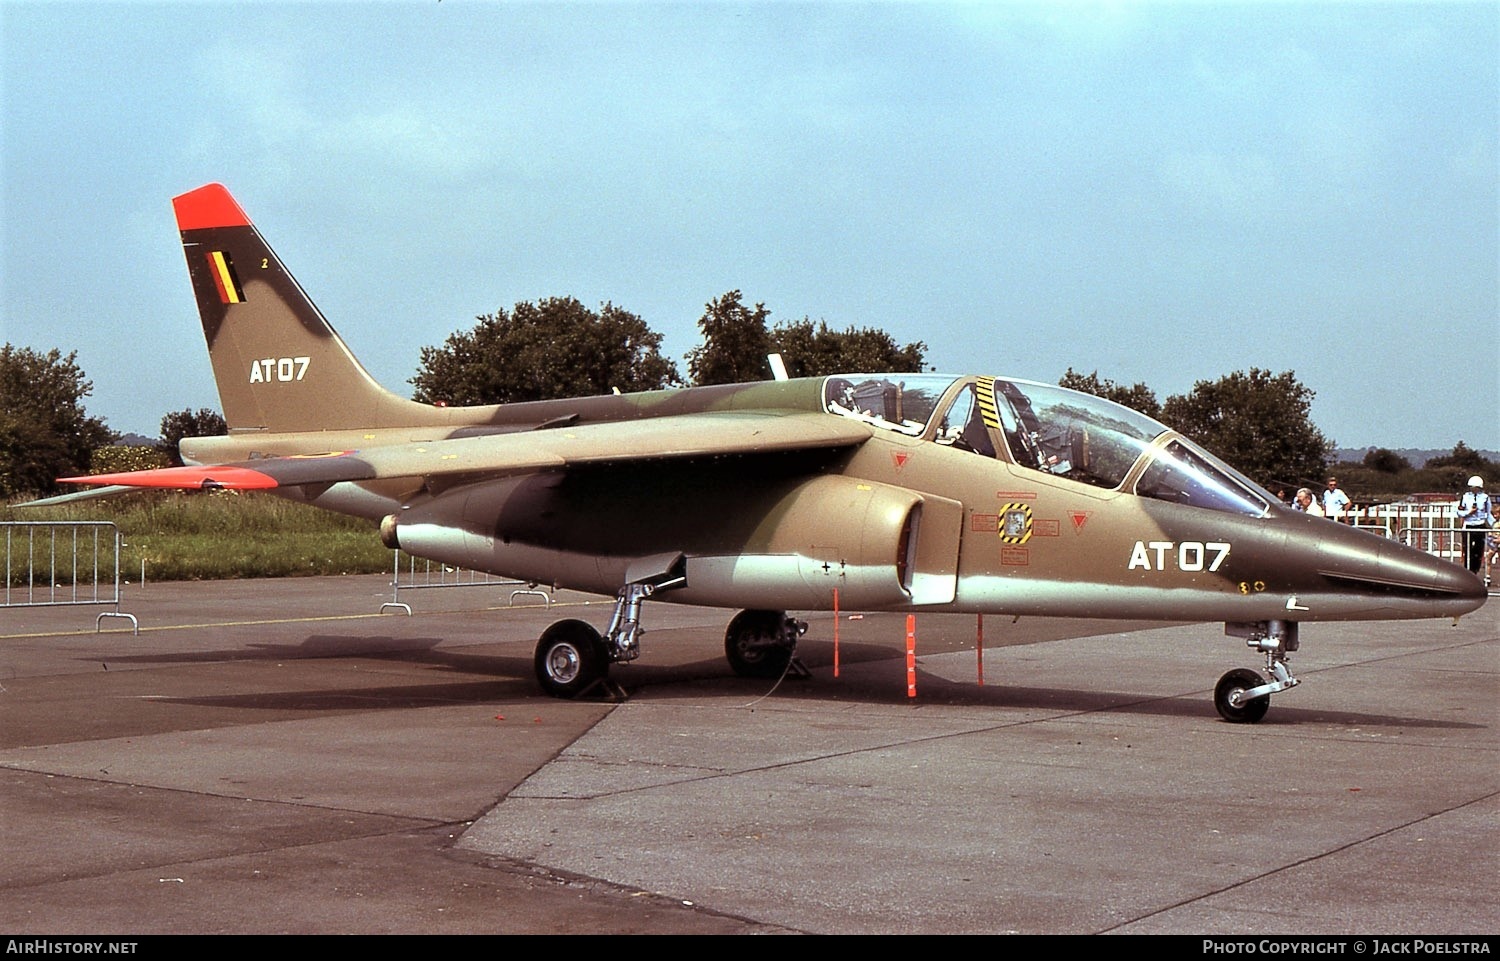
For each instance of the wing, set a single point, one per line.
(76, 496)
(676, 437)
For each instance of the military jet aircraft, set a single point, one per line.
(900, 492)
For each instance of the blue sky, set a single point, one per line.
(1162, 192)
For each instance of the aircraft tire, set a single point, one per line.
(752, 644)
(1247, 712)
(570, 659)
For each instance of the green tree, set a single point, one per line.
(188, 423)
(1137, 397)
(555, 347)
(119, 458)
(45, 433)
(1454, 470)
(1463, 457)
(814, 350)
(1386, 461)
(1257, 421)
(735, 343)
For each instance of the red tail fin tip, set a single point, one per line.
(208, 206)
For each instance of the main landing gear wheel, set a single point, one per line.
(570, 658)
(760, 643)
(1229, 697)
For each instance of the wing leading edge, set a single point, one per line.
(674, 437)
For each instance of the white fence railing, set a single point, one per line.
(63, 563)
(415, 573)
(1433, 528)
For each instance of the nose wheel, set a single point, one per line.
(1231, 702)
(1243, 696)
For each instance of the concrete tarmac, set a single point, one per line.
(281, 757)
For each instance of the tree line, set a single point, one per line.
(1258, 421)
(558, 347)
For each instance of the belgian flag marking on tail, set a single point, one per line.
(228, 282)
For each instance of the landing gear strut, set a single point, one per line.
(1243, 696)
(572, 658)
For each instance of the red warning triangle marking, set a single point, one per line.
(1079, 519)
(899, 457)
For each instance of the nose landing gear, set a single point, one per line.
(1243, 696)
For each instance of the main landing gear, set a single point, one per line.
(573, 659)
(1243, 696)
(763, 643)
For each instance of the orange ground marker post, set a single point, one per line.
(911, 655)
(835, 632)
(979, 648)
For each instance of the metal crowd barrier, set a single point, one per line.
(423, 574)
(1444, 542)
(1372, 525)
(63, 563)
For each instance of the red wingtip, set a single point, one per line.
(184, 478)
(208, 206)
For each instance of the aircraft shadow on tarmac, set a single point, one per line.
(666, 683)
(508, 677)
(317, 645)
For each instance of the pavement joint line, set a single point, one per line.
(282, 620)
(1306, 859)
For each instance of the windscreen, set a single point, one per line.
(1186, 475)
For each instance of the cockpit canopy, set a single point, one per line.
(1053, 430)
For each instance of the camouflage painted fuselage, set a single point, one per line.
(898, 492)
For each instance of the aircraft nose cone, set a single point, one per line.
(1420, 582)
(1408, 567)
(1458, 581)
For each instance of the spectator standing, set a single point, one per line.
(1306, 503)
(1335, 501)
(1477, 518)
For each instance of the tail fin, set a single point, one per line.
(278, 363)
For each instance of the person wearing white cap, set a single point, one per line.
(1477, 516)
